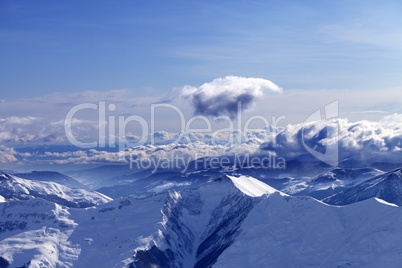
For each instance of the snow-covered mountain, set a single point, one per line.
(149, 184)
(230, 221)
(39, 233)
(199, 224)
(241, 222)
(51, 176)
(96, 177)
(330, 182)
(301, 232)
(386, 186)
(15, 188)
(34, 233)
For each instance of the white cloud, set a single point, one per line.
(15, 120)
(222, 95)
(7, 155)
(13, 128)
(91, 156)
(41, 120)
(362, 141)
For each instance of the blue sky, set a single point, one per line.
(149, 47)
(55, 55)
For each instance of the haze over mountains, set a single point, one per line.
(360, 144)
(176, 134)
(207, 217)
(266, 197)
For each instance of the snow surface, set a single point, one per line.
(231, 221)
(387, 187)
(36, 231)
(385, 202)
(167, 185)
(301, 232)
(330, 182)
(274, 230)
(251, 187)
(15, 188)
(50, 235)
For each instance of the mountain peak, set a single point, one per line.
(387, 187)
(251, 186)
(16, 188)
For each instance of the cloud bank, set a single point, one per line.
(222, 95)
(7, 155)
(363, 142)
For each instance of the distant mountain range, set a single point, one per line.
(226, 221)
(14, 188)
(51, 176)
(387, 186)
(313, 216)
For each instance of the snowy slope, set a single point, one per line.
(240, 223)
(148, 184)
(44, 233)
(251, 186)
(36, 232)
(51, 176)
(109, 233)
(330, 182)
(232, 221)
(387, 187)
(15, 188)
(198, 224)
(301, 232)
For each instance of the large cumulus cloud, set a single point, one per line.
(7, 155)
(222, 95)
(363, 142)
